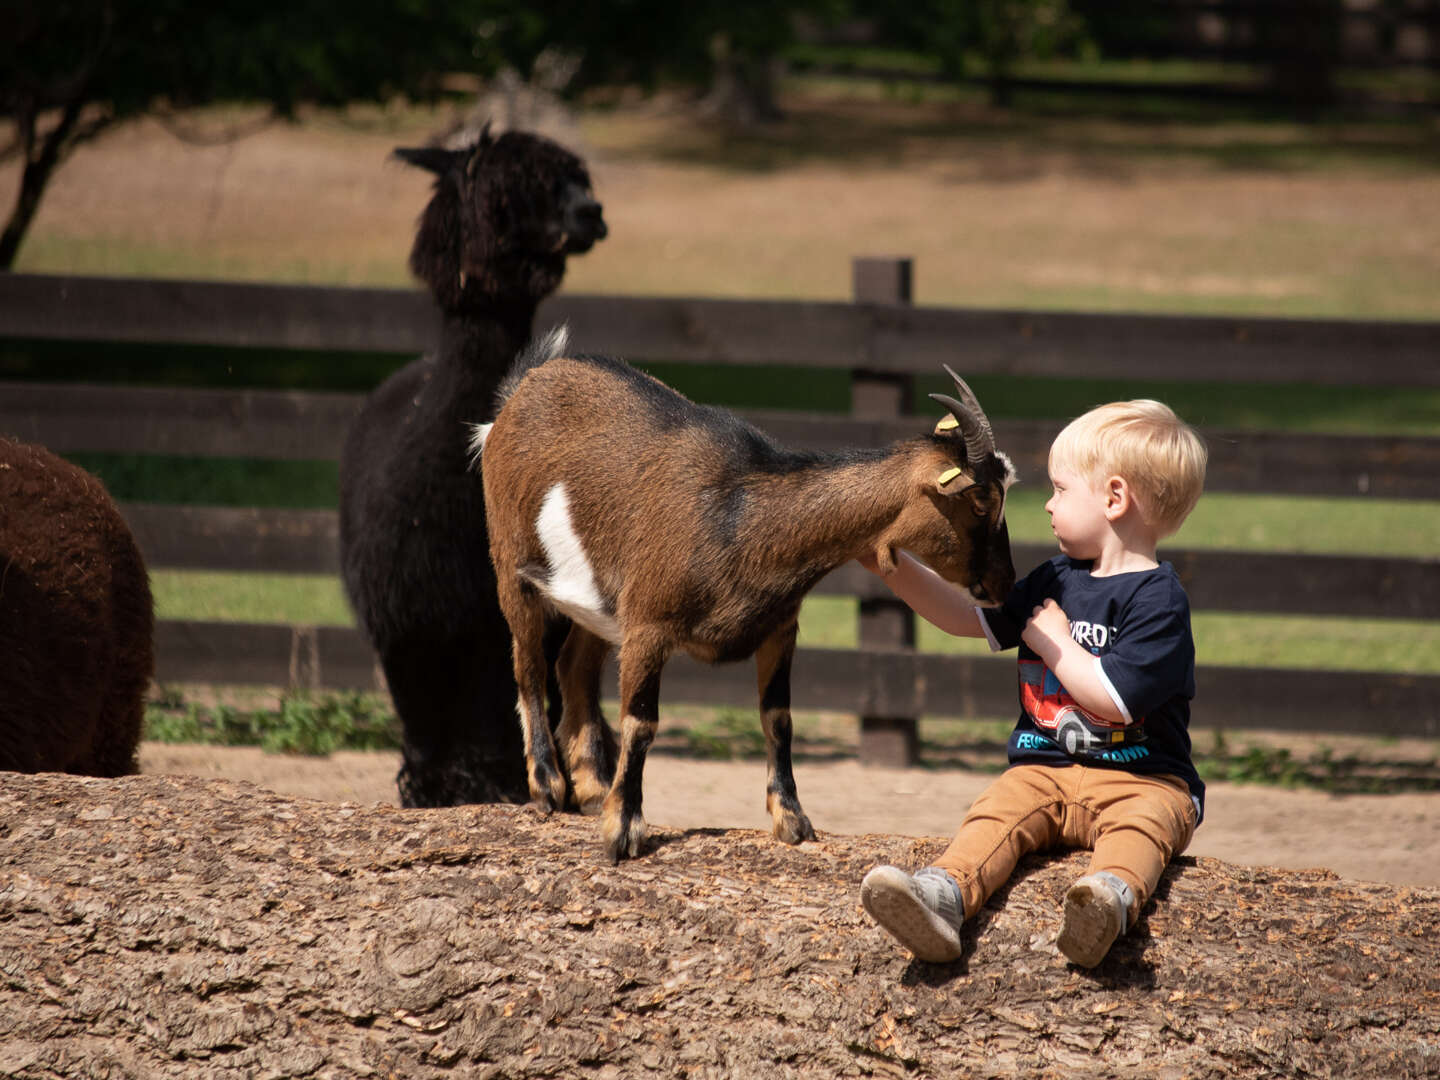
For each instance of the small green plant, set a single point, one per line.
(320, 726)
(300, 723)
(1319, 769)
(173, 722)
(729, 734)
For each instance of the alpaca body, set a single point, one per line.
(76, 621)
(411, 515)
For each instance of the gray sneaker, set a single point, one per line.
(1097, 909)
(923, 911)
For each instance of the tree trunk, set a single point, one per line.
(742, 87)
(177, 927)
(1302, 42)
(35, 176)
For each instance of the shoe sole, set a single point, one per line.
(891, 903)
(1091, 927)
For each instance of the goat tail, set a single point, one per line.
(553, 344)
(541, 350)
(477, 443)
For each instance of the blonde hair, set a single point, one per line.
(1159, 455)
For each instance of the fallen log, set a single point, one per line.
(178, 927)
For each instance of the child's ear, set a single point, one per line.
(1117, 497)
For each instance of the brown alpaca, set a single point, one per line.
(76, 621)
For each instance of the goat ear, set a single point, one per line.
(982, 500)
(953, 481)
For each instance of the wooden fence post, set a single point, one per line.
(885, 624)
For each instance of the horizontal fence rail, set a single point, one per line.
(252, 540)
(883, 341)
(294, 425)
(895, 338)
(871, 682)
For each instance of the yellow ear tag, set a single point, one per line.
(946, 423)
(948, 475)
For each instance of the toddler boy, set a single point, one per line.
(1100, 756)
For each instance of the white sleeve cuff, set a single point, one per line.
(1114, 694)
(995, 646)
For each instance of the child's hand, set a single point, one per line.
(1048, 625)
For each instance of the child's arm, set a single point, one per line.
(1048, 633)
(932, 597)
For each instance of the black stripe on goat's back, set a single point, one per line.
(743, 447)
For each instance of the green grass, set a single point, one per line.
(213, 596)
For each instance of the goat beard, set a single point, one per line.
(885, 559)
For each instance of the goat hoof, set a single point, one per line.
(627, 841)
(794, 829)
(547, 789)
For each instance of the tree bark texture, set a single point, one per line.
(178, 927)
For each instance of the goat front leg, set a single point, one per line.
(772, 662)
(586, 741)
(623, 824)
(527, 630)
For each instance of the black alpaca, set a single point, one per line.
(415, 555)
(76, 621)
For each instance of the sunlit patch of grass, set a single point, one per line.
(1283, 523)
(211, 596)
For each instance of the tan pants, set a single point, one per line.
(1133, 824)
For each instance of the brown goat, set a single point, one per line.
(660, 525)
(76, 621)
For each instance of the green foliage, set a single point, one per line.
(320, 726)
(299, 724)
(1321, 768)
(1003, 33)
(723, 735)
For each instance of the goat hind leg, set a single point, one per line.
(622, 823)
(772, 662)
(586, 741)
(527, 629)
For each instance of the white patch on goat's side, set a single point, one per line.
(571, 588)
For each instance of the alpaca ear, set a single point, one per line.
(433, 159)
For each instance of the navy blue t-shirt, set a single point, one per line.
(1137, 625)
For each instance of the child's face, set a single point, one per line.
(1077, 513)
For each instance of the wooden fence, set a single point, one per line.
(884, 342)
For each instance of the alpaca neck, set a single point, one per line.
(483, 344)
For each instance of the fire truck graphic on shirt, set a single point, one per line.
(1057, 716)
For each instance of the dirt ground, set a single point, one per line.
(1385, 838)
(170, 928)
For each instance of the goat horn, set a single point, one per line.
(974, 424)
